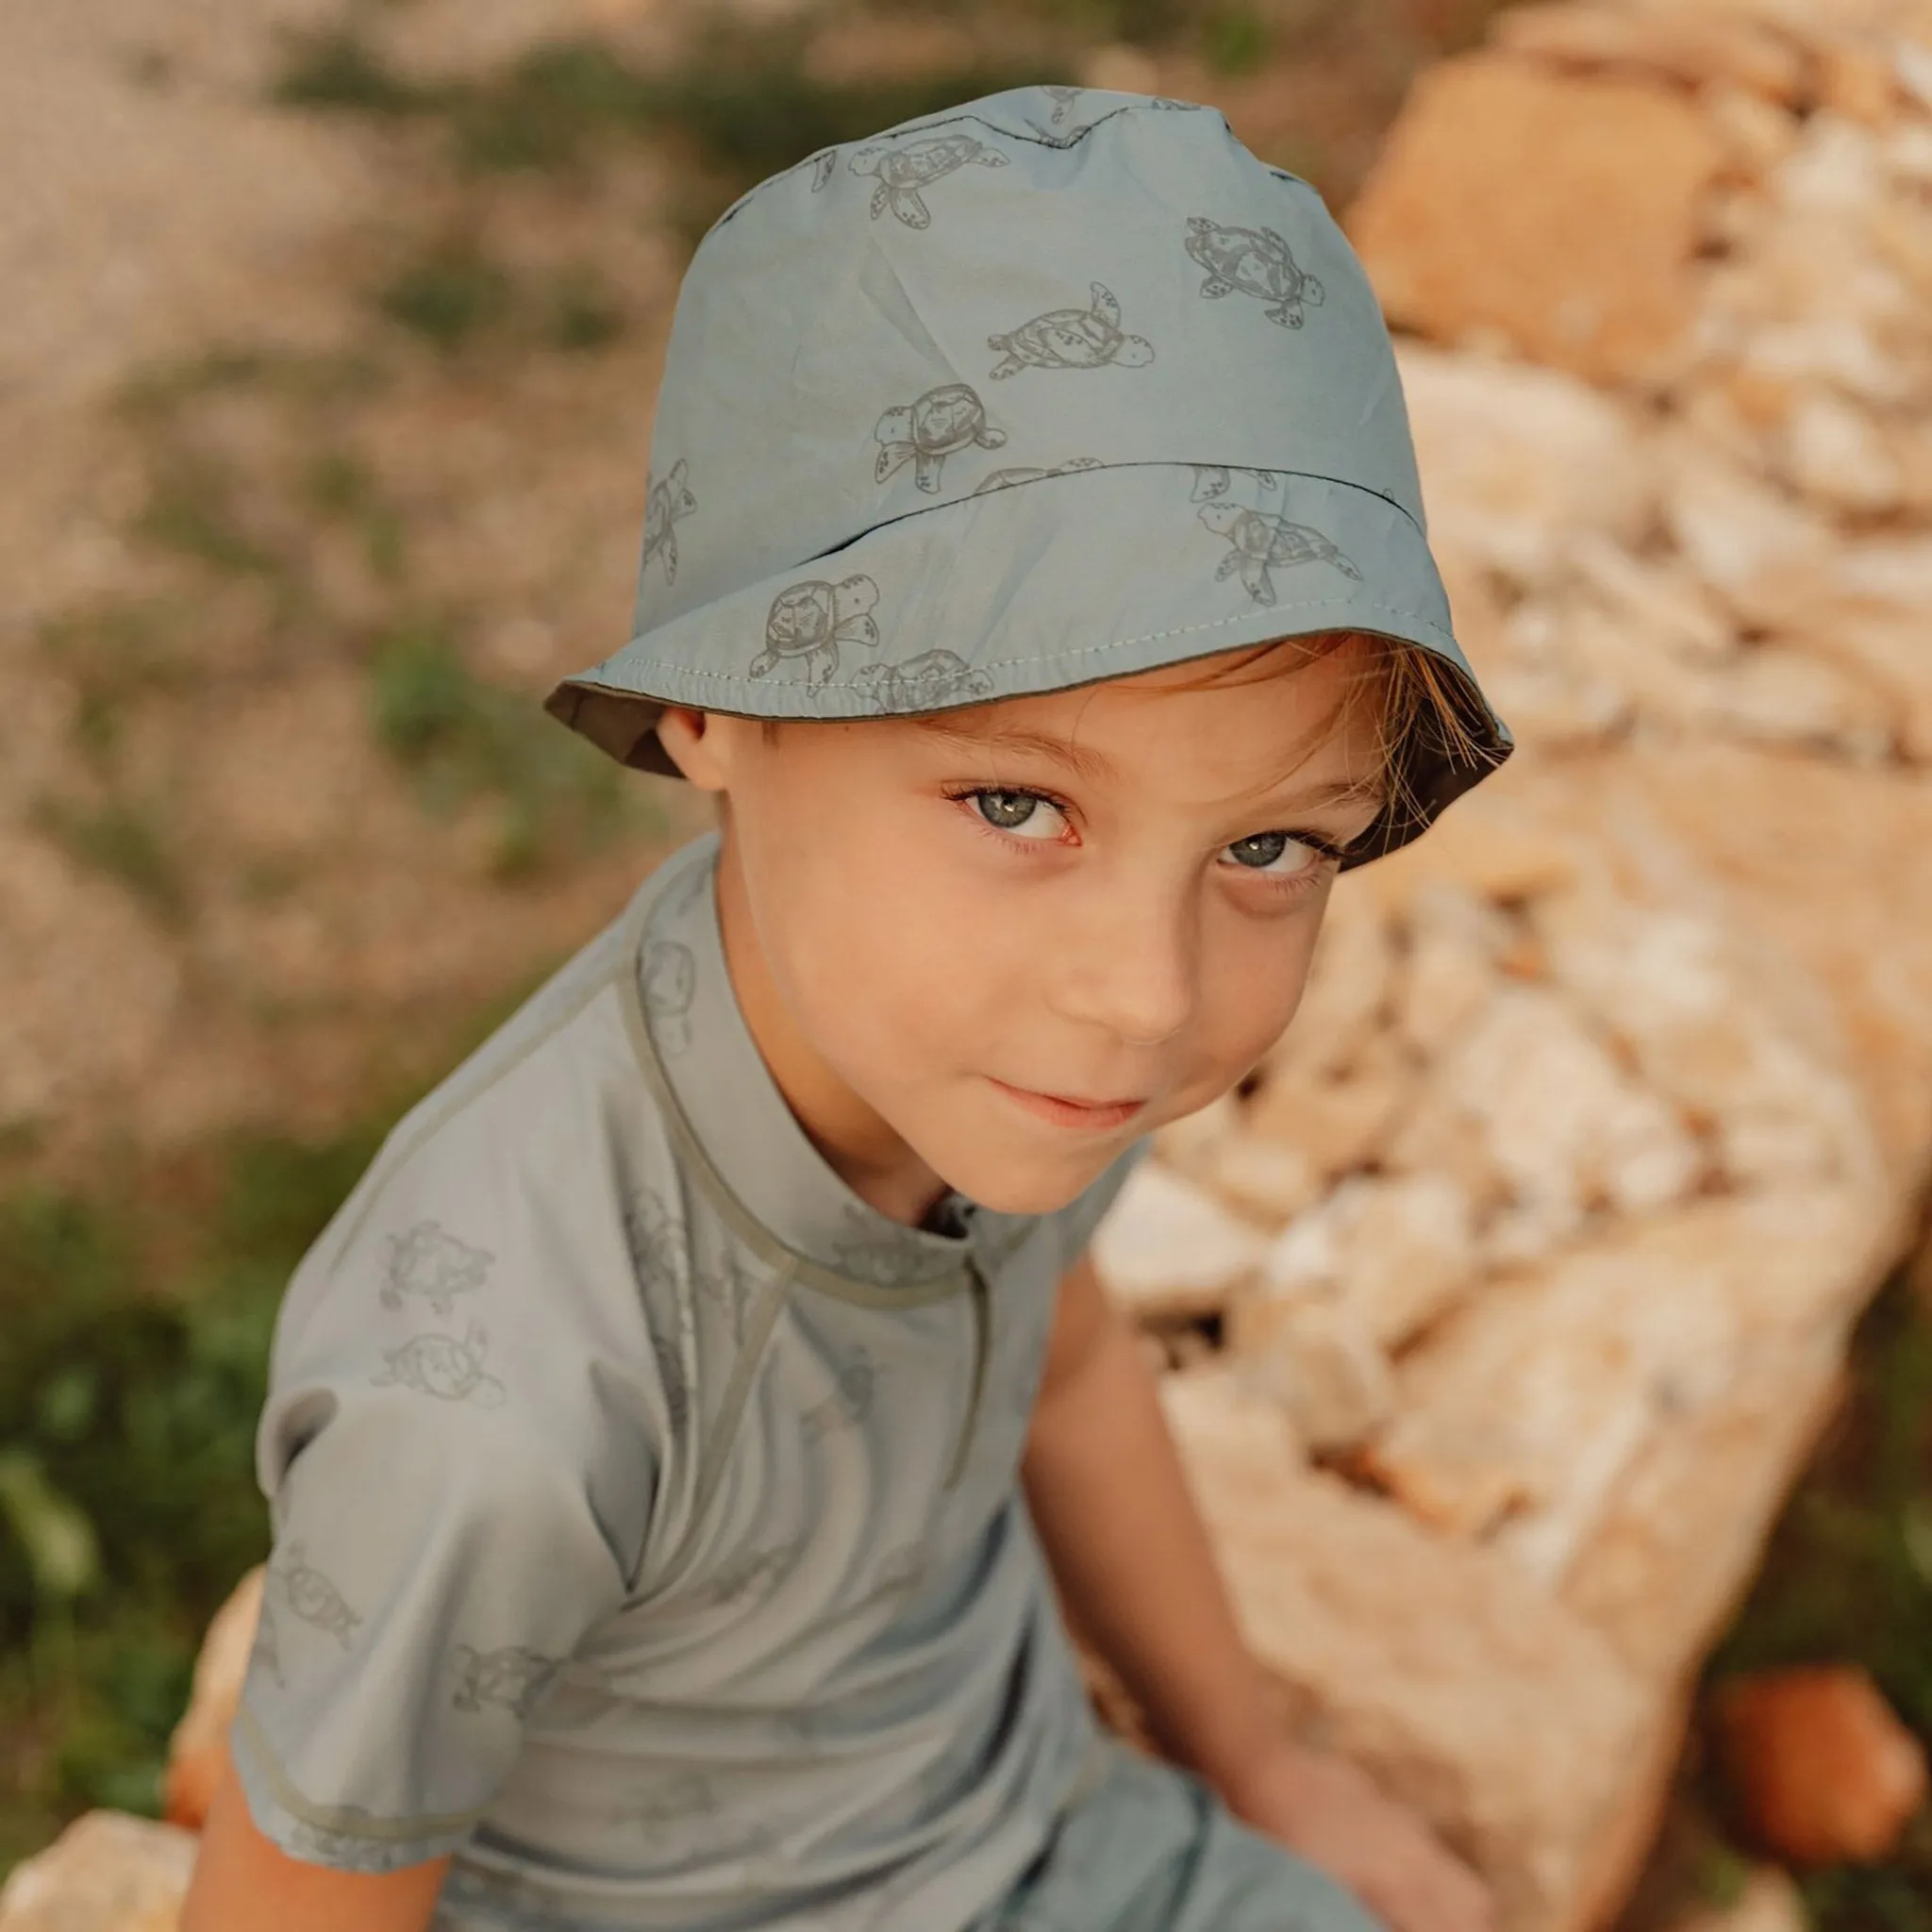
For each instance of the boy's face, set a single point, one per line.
(913, 960)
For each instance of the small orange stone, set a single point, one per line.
(1826, 1773)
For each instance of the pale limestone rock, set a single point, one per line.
(1396, 1250)
(1497, 844)
(1319, 1361)
(106, 1873)
(1518, 462)
(1537, 1396)
(1456, 941)
(1669, 47)
(1192, 1144)
(1719, 1027)
(1348, 983)
(1734, 531)
(1335, 1125)
(1212, 1403)
(1566, 1129)
(1265, 1178)
(1664, 602)
(1758, 134)
(1437, 1669)
(1786, 697)
(1458, 235)
(1434, 1137)
(1167, 1248)
(1837, 451)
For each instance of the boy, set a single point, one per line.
(677, 1440)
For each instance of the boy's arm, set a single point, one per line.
(242, 1881)
(1132, 1560)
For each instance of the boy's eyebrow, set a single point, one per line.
(1096, 768)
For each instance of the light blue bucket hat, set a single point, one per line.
(1053, 386)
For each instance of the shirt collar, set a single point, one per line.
(719, 1078)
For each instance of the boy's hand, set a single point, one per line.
(1334, 1815)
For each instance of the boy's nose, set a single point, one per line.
(1130, 965)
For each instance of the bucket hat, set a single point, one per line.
(1056, 386)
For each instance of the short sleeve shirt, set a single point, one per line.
(647, 1523)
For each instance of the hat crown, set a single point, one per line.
(1041, 282)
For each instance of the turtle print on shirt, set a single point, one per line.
(512, 1675)
(312, 1596)
(441, 1366)
(433, 1266)
(669, 982)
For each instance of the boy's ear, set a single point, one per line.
(693, 742)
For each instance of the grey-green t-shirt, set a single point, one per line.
(647, 1529)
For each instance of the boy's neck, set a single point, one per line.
(854, 1142)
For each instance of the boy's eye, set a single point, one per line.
(1006, 812)
(1259, 853)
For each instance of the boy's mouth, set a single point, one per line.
(1093, 1115)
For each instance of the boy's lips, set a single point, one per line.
(1068, 1111)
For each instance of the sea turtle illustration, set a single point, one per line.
(423, 1261)
(513, 1676)
(652, 1235)
(668, 982)
(1025, 473)
(1258, 262)
(923, 683)
(730, 1286)
(1261, 540)
(822, 168)
(314, 1598)
(903, 171)
(850, 1400)
(1064, 98)
(812, 619)
(1072, 338)
(1214, 480)
(666, 501)
(899, 1568)
(441, 1366)
(683, 1794)
(925, 433)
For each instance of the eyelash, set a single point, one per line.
(1286, 887)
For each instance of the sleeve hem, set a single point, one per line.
(343, 1836)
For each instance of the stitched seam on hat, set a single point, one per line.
(1083, 651)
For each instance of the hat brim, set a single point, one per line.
(1049, 583)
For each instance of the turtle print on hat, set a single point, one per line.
(441, 1366)
(812, 619)
(1214, 480)
(669, 980)
(314, 1598)
(425, 1262)
(942, 422)
(1027, 473)
(666, 501)
(923, 683)
(902, 172)
(1072, 338)
(513, 1676)
(1261, 540)
(822, 168)
(1063, 98)
(1258, 262)
(850, 1400)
